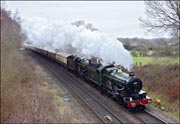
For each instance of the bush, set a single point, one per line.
(162, 82)
(173, 92)
(162, 79)
(135, 53)
(23, 100)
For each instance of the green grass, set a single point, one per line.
(154, 60)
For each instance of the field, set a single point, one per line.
(155, 60)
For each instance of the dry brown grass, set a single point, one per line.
(10, 57)
(29, 103)
(23, 100)
(64, 108)
(160, 78)
(162, 82)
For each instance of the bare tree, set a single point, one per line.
(162, 16)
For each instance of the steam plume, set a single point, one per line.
(76, 38)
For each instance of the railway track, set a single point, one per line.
(155, 117)
(148, 117)
(92, 102)
(102, 112)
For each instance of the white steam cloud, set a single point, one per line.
(76, 38)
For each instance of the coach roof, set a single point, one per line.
(63, 54)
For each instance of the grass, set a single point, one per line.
(24, 98)
(162, 82)
(12, 71)
(66, 114)
(53, 91)
(63, 109)
(171, 108)
(154, 60)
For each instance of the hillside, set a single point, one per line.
(26, 96)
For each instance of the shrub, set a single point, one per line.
(162, 79)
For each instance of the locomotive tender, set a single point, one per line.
(111, 80)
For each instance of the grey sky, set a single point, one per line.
(118, 18)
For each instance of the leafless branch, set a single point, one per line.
(162, 16)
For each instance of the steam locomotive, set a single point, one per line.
(123, 87)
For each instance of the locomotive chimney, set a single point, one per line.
(131, 73)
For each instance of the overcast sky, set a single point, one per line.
(118, 18)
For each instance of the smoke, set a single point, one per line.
(82, 23)
(76, 38)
